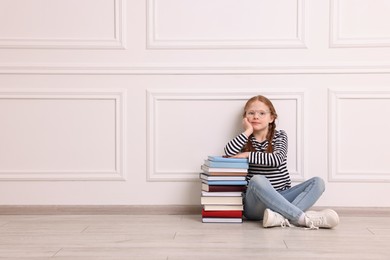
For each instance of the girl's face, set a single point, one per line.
(259, 115)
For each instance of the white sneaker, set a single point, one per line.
(326, 218)
(274, 219)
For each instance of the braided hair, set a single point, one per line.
(271, 126)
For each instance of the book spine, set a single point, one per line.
(222, 220)
(227, 182)
(221, 200)
(222, 214)
(227, 159)
(226, 165)
(222, 188)
(204, 176)
(223, 207)
(206, 169)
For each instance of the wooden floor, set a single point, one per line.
(169, 237)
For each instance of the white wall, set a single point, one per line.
(119, 102)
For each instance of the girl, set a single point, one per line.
(269, 195)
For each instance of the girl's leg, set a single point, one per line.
(305, 194)
(260, 195)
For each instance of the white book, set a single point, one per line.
(222, 178)
(221, 200)
(222, 194)
(222, 220)
(205, 168)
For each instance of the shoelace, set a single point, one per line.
(285, 223)
(316, 221)
(311, 226)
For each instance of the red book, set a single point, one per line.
(222, 214)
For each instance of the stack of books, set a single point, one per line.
(223, 183)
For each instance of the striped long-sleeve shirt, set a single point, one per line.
(272, 165)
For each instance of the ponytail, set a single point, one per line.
(270, 136)
(249, 146)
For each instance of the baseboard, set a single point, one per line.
(153, 210)
(360, 211)
(99, 209)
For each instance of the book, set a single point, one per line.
(204, 176)
(206, 168)
(222, 214)
(222, 220)
(213, 164)
(221, 200)
(226, 173)
(225, 182)
(222, 188)
(217, 158)
(222, 207)
(222, 194)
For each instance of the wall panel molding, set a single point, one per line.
(192, 69)
(116, 96)
(117, 41)
(156, 98)
(340, 40)
(156, 39)
(350, 107)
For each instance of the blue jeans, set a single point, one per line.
(290, 203)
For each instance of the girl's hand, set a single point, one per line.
(248, 128)
(241, 155)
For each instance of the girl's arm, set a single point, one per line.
(235, 145)
(275, 158)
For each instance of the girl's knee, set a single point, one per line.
(319, 183)
(258, 181)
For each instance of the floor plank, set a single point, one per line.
(174, 237)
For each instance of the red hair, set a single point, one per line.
(271, 127)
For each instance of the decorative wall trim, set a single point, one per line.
(155, 42)
(117, 95)
(339, 41)
(155, 96)
(334, 99)
(191, 69)
(117, 42)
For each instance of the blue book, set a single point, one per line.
(226, 182)
(219, 164)
(221, 178)
(227, 159)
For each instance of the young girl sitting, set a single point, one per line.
(269, 195)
